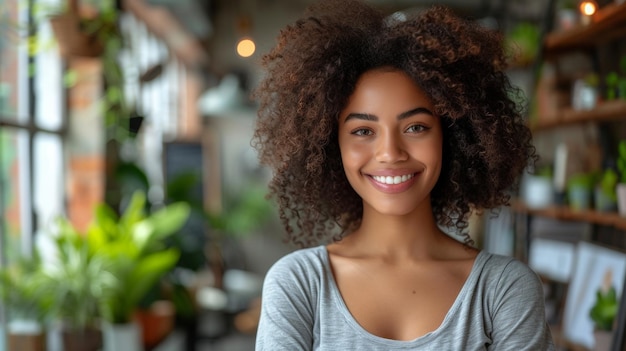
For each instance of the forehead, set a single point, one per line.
(386, 88)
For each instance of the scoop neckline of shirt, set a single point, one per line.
(479, 261)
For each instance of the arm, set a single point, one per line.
(287, 316)
(518, 315)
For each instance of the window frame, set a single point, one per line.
(28, 124)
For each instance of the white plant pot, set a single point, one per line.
(621, 199)
(25, 335)
(584, 96)
(24, 327)
(537, 191)
(125, 337)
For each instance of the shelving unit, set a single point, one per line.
(607, 111)
(607, 24)
(565, 213)
(607, 31)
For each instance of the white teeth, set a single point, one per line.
(393, 180)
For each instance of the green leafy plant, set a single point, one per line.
(243, 212)
(105, 272)
(615, 82)
(92, 31)
(133, 247)
(523, 40)
(583, 180)
(25, 292)
(605, 308)
(78, 278)
(611, 81)
(580, 190)
(608, 182)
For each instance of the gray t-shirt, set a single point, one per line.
(500, 307)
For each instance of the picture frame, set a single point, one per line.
(592, 266)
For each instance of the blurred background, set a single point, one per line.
(133, 206)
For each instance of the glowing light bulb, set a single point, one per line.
(246, 47)
(588, 8)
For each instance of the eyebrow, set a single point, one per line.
(403, 115)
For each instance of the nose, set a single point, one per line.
(390, 148)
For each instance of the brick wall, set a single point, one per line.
(86, 156)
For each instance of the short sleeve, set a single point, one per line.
(287, 315)
(518, 311)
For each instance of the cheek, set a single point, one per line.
(353, 153)
(353, 157)
(436, 157)
(430, 153)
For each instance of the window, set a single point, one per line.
(32, 130)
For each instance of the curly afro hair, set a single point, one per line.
(312, 71)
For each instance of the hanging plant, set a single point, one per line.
(80, 36)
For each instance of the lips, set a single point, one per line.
(392, 184)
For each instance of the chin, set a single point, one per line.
(395, 210)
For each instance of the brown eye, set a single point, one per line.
(362, 132)
(416, 128)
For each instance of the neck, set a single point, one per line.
(414, 235)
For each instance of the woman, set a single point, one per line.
(380, 132)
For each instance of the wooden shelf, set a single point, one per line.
(567, 214)
(606, 25)
(607, 111)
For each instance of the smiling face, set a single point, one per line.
(391, 143)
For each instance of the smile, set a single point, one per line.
(393, 180)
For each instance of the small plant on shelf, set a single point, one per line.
(585, 92)
(611, 82)
(621, 185)
(605, 192)
(615, 82)
(579, 189)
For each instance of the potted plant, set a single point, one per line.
(579, 189)
(615, 82)
(585, 93)
(133, 247)
(537, 189)
(611, 81)
(621, 185)
(27, 301)
(603, 313)
(605, 196)
(79, 280)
